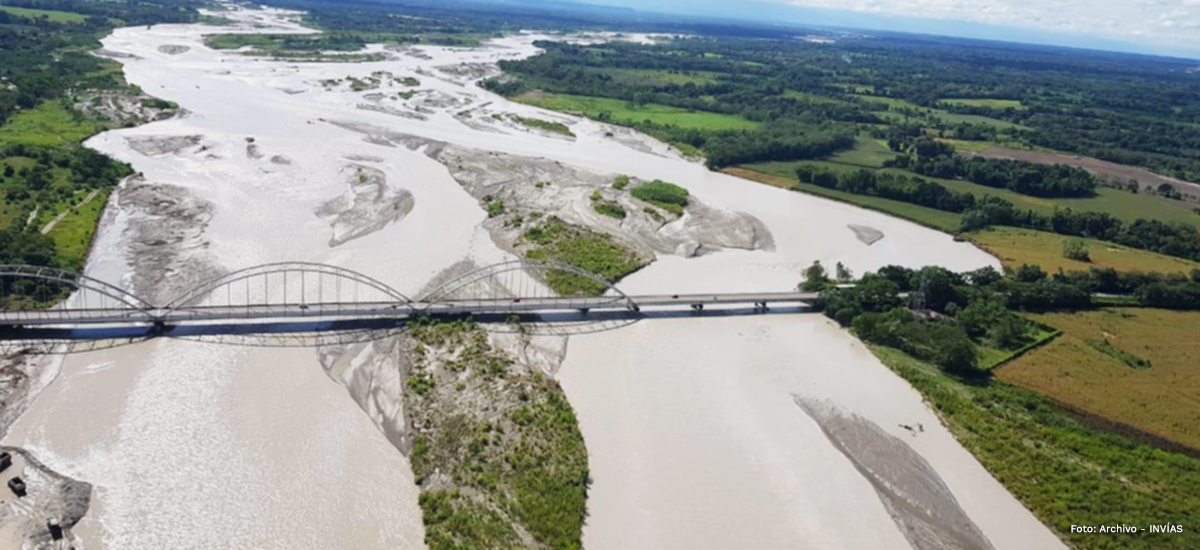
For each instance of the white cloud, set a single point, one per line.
(1167, 23)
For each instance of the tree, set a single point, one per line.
(843, 273)
(1029, 273)
(1076, 249)
(805, 173)
(825, 178)
(953, 350)
(980, 315)
(1009, 331)
(936, 285)
(8, 171)
(984, 276)
(900, 275)
(815, 277)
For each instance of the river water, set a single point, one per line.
(694, 438)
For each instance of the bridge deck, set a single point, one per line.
(387, 310)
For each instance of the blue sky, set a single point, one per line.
(1169, 27)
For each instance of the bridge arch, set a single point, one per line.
(289, 283)
(25, 290)
(527, 280)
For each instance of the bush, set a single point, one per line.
(495, 208)
(1075, 249)
(621, 182)
(668, 196)
(610, 209)
(825, 178)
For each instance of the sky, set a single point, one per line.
(1170, 27)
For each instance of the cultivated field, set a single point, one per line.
(1137, 367)
(1025, 246)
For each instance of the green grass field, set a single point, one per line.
(624, 112)
(954, 118)
(890, 103)
(992, 357)
(73, 235)
(804, 96)
(894, 105)
(867, 153)
(55, 16)
(1016, 246)
(652, 77)
(50, 123)
(1130, 207)
(989, 103)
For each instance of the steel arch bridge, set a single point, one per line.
(280, 300)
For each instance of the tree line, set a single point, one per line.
(940, 316)
(938, 160)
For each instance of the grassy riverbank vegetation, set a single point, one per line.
(546, 125)
(553, 240)
(667, 196)
(497, 449)
(1092, 431)
(1063, 469)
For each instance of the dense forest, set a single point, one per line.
(1134, 110)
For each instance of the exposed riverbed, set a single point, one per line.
(694, 435)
